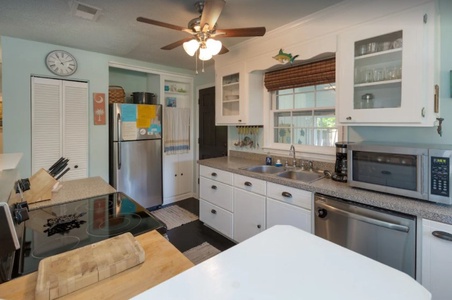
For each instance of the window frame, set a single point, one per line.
(308, 151)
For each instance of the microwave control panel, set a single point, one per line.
(439, 176)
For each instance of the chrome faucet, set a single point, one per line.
(292, 152)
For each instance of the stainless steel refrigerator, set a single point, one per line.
(136, 151)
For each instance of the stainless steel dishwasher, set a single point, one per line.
(386, 236)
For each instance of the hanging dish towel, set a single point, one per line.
(177, 130)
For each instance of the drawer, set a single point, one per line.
(216, 217)
(215, 174)
(250, 184)
(289, 195)
(216, 192)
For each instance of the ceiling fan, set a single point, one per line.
(203, 29)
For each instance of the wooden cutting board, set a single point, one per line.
(67, 272)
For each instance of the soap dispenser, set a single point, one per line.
(268, 159)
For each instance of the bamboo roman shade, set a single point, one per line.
(319, 72)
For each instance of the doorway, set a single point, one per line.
(213, 140)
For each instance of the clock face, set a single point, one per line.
(61, 63)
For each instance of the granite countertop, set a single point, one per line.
(77, 189)
(419, 208)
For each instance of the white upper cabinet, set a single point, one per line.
(386, 70)
(238, 96)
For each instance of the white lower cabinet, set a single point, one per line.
(280, 213)
(215, 205)
(437, 259)
(216, 217)
(249, 214)
(240, 207)
(288, 206)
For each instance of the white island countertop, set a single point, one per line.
(284, 262)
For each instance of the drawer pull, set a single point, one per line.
(286, 194)
(213, 211)
(247, 183)
(214, 187)
(214, 174)
(443, 235)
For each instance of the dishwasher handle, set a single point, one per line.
(368, 220)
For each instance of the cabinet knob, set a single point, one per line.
(76, 166)
(175, 175)
(213, 211)
(240, 121)
(348, 118)
(247, 183)
(259, 226)
(286, 194)
(214, 174)
(181, 174)
(214, 187)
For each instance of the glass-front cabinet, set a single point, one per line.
(230, 102)
(238, 96)
(386, 71)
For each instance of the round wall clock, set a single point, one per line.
(61, 63)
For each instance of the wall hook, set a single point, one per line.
(439, 129)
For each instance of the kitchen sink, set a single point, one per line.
(264, 169)
(304, 176)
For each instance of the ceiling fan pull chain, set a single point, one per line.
(203, 66)
(196, 60)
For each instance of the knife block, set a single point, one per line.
(41, 185)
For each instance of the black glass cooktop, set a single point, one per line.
(60, 228)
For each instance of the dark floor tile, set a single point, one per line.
(195, 233)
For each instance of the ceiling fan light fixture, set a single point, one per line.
(191, 46)
(214, 46)
(204, 54)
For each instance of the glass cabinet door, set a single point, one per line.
(231, 95)
(378, 72)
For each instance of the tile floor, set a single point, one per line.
(195, 233)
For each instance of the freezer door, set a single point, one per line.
(127, 121)
(140, 173)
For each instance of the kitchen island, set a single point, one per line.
(162, 262)
(284, 262)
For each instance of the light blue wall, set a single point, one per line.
(21, 59)
(423, 135)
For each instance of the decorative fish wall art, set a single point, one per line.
(285, 57)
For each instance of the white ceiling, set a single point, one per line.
(117, 32)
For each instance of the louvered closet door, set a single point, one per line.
(46, 145)
(75, 129)
(60, 125)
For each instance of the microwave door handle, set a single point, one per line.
(118, 128)
(424, 175)
(368, 220)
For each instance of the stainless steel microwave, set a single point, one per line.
(410, 170)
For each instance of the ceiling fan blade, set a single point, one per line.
(241, 32)
(176, 44)
(162, 24)
(211, 12)
(223, 50)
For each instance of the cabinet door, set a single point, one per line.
(75, 129)
(280, 213)
(437, 259)
(249, 214)
(230, 96)
(382, 77)
(216, 217)
(60, 125)
(46, 123)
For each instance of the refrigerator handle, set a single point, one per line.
(118, 128)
